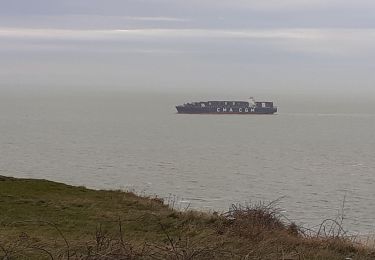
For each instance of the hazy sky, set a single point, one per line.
(244, 46)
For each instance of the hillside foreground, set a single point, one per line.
(40, 219)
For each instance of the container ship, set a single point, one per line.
(228, 107)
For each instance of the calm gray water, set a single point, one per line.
(310, 159)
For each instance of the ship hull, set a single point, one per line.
(225, 111)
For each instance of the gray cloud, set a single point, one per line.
(198, 13)
(273, 46)
(348, 42)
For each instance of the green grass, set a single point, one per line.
(37, 216)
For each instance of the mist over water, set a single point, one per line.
(312, 154)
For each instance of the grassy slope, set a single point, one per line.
(29, 209)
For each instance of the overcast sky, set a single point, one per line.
(324, 47)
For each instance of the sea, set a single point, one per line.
(314, 159)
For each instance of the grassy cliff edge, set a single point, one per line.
(41, 219)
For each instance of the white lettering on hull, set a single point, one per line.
(240, 110)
